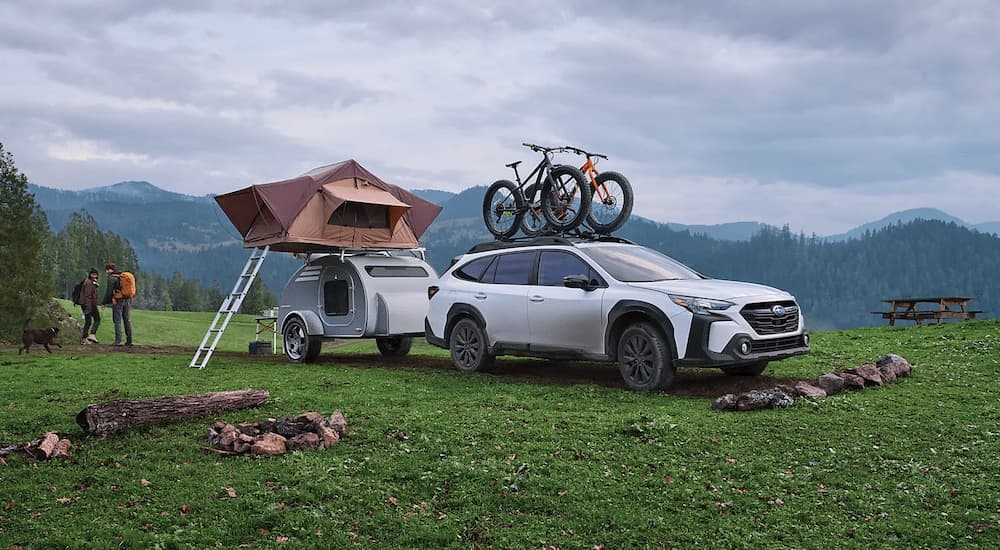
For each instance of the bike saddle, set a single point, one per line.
(513, 164)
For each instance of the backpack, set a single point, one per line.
(75, 296)
(126, 284)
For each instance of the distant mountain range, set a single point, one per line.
(173, 232)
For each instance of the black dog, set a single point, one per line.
(43, 336)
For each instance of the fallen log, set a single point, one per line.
(122, 414)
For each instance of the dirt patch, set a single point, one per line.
(689, 382)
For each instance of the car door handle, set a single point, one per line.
(537, 298)
(480, 296)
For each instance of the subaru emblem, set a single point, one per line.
(778, 310)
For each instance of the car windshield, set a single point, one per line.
(636, 264)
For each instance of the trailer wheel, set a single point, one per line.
(394, 346)
(299, 346)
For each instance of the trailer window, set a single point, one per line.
(396, 271)
(335, 297)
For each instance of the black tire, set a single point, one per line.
(754, 369)
(299, 346)
(612, 203)
(644, 359)
(394, 346)
(534, 221)
(566, 198)
(503, 209)
(469, 347)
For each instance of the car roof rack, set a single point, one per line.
(564, 240)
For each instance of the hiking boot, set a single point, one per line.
(92, 338)
(117, 344)
(85, 342)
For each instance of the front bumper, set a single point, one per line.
(741, 349)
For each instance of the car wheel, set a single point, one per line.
(299, 346)
(394, 346)
(753, 369)
(469, 349)
(644, 358)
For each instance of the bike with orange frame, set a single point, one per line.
(612, 197)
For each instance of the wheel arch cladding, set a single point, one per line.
(459, 311)
(629, 312)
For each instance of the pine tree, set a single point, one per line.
(25, 231)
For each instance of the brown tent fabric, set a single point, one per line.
(340, 205)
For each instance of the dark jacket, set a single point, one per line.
(114, 283)
(88, 295)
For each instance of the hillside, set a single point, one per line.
(837, 280)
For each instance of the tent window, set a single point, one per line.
(357, 214)
(335, 297)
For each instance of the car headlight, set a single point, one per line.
(700, 306)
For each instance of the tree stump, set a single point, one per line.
(120, 415)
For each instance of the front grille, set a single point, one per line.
(764, 320)
(777, 344)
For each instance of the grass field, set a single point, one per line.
(439, 459)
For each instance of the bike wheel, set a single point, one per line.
(611, 204)
(503, 209)
(534, 221)
(565, 198)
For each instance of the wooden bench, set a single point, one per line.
(948, 307)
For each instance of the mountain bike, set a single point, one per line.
(560, 192)
(612, 195)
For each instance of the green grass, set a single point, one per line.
(438, 459)
(172, 328)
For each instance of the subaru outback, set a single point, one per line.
(611, 300)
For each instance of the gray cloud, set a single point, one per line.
(770, 108)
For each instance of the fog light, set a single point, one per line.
(745, 347)
(805, 339)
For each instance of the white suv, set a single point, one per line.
(607, 300)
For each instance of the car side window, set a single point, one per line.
(472, 270)
(513, 269)
(553, 265)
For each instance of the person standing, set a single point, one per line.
(88, 303)
(121, 307)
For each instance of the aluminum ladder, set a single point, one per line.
(230, 305)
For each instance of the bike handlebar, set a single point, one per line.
(564, 148)
(579, 151)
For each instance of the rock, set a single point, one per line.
(781, 400)
(310, 418)
(338, 423)
(269, 444)
(900, 366)
(329, 436)
(305, 441)
(887, 373)
(763, 399)
(830, 383)
(805, 389)
(869, 373)
(725, 402)
(852, 381)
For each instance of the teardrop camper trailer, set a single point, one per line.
(364, 274)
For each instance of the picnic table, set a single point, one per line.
(937, 308)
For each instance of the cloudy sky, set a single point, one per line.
(822, 115)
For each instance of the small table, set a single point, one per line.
(268, 324)
(941, 307)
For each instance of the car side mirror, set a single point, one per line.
(578, 281)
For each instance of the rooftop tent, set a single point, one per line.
(341, 205)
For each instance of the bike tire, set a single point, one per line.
(612, 203)
(566, 196)
(534, 221)
(503, 209)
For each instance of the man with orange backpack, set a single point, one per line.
(120, 292)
